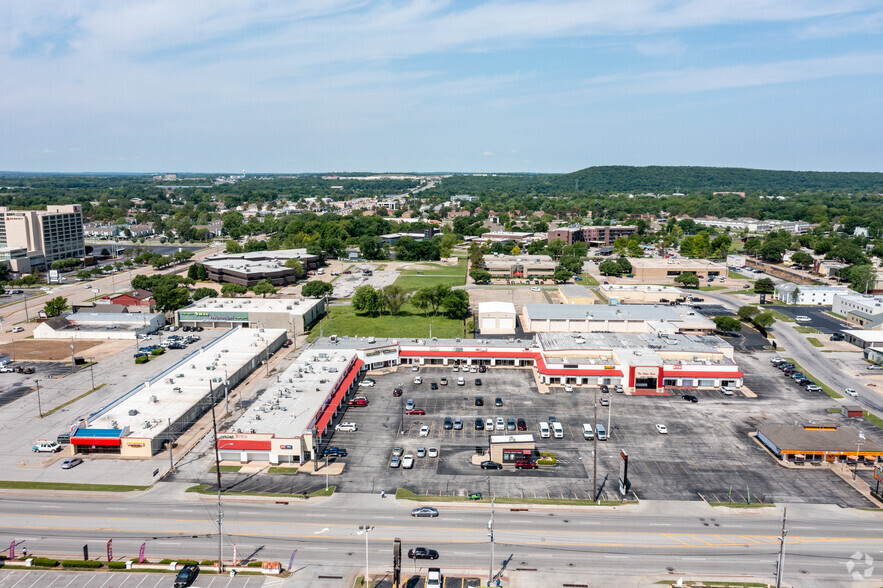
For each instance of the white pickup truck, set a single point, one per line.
(433, 578)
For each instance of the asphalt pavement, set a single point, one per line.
(818, 319)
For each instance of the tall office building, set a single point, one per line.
(56, 233)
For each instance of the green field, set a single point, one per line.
(453, 275)
(815, 342)
(807, 330)
(779, 316)
(710, 288)
(409, 323)
(737, 275)
(588, 280)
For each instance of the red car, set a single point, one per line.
(287, 343)
(415, 411)
(358, 402)
(525, 464)
(397, 391)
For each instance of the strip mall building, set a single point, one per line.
(293, 419)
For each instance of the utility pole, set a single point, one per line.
(595, 449)
(609, 410)
(781, 561)
(490, 528)
(39, 404)
(171, 440)
(218, 470)
(73, 359)
(92, 371)
(858, 448)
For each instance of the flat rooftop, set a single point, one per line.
(286, 305)
(484, 307)
(799, 438)
(601, 312)
(639, 341)
(640, 288)
(570, 290)
(675, 263)
(288, 408)
(174, 392)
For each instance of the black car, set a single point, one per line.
(478, 381)
(396, 391)
(479, 401)
(422, 553)
(433, 386)
(479, 424)
(491, 465)
(449, 423)
(186, 576)
(482, 369)
(837, 337)
(605, 389)
(522, 425)
(498, 402)
(690, 398)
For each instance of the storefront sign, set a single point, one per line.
(110, 550)
(646, 372)
(878, 473)
(286, 447)
(129, 444)
(609, 367)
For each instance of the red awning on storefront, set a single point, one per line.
(329, 409)
(710, 375)
(244, 444)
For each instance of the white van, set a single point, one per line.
(544, 430)
(588, 431)
(601, 432)
(557, 430)
(802, 319)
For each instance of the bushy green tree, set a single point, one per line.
(263, 288)
(55, 306)
(764, 286)
(316, 288)
(688, 279)
(366, 299)
(609, 267)
(230, 290)
(201, 293)
(727, 323)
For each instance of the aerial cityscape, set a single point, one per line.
(625, 329)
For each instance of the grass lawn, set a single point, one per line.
(711, 288)
(454, 275)
(815, 342)
(77, 487)
(228, 469)
(438, 269)
(779, 316)
(806, 330)
(281, 470)
(409, 323)
(404, 494)
(206, 489)
(589, 280)
(737, 275)
(872, 418)
(826, 389)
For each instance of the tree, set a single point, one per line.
(862, 278)
(773, 250)
(56, 306)
(764, 320)
(231, 290)
(263, 288)
(205, 293)
(795, 295)
(298, 267)
(366, 299)
(456, 304)
(609, 268)
(430, 297)
(369, 246)
(573, 264)
(625, 266)
(86, 274)
(192, 272)
(182, 255)
(233, 247)
(720, 246)
(555, 247)
(170, 299)
(746, 313)
(802, 259)
(316, 288)
(688, 279)
(480, 276)
(393, 298)
(764, 286)
(727, 323)
(562, 274)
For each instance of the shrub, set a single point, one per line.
(547, 459)
(158, 351)
(255, 564)
(45, 562)
(77, 563)
(116, 565)
(207, 562)
(142, 359)
(185, 562)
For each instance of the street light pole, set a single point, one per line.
(92, 371)
(781, 561)
(365, 529)
(39, 404)
(858, 447)
(595, 449)
(490, 528)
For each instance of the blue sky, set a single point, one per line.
(434, 85)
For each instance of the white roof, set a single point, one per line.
(867, 336)
(526, 438)
(174, 392)
(288, 305)
(486, 307)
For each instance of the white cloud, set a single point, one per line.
(487, 153)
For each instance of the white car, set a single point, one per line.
(367, 383)
(415, 368)
(88, 286)
(473, 369)
(661, 429)
(568, 388)
(489, 424)
(348, 427)
(408, 462)
(418, 380)
(726, 391)
(535, 289)
(813, 388)
(433, 452)
(18, 329)
(456, 368)
(501, 424)
(802, 319)
(851, 392)
(424, 431)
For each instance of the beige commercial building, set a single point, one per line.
(576, 294)
(649, 270)
(520, 266)
(293, 315)
(598, 318)
(47, 236)
(496, 318)
(639, 293)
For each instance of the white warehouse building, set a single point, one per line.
(790, 293)
(496, 318)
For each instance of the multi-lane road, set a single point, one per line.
(630, 541)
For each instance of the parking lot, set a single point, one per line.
(15, 385)
(818, 319)
(517, 295)
(49, 579)
(707, 452)
(345, 285)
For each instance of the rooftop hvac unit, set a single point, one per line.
(114, 425)
(153, 399)
(146, 424)
(132, 412)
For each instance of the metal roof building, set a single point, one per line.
(597, 318)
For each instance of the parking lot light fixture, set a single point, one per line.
(366, 529)
(858, 448)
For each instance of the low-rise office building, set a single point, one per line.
(247, 269)
(864, 339)
(864, 310)
(656, 270)
(517, 237)
(593, 235)
(791, 293)
(293, 315)
(638, 293)
(576, 294)
(145, 419)
(496, 318)
(96, 325)
(520, 266)
(599, 318)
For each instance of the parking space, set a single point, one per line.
(818, 319)
(51, 579)
(17, 384)
(417, 580)
(707, 451)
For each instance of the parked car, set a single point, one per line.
(17, 329)
(690, 398)
(422, 553)
(358, 402)
(347, 427)
(418, 380)
(510, 424)
(395, 462)
(443, 381)
(424, 511)
(396, 391)
(424, 431)
(475, 496)
(491, 465)
(433, 452)
(71, 463)
(479, 401)
(458, 424)
(501, 425)
(802, 319)
(479, 424)
(875, 367)
(605, 389)
(461, 382)
(449, 423)
(408, 462)
(837, 337)
(433, 386)
(478, 381)
(605, 401)
(421, 452)
(526, 464)
(186, 575)
(397, 451)
(335, 451)
(522, 425)
(415, 412)
(498, 402)
(369, 383)
(726, 390)
(409, 404)
(813, 388)
(482, 369)
(568, 388)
